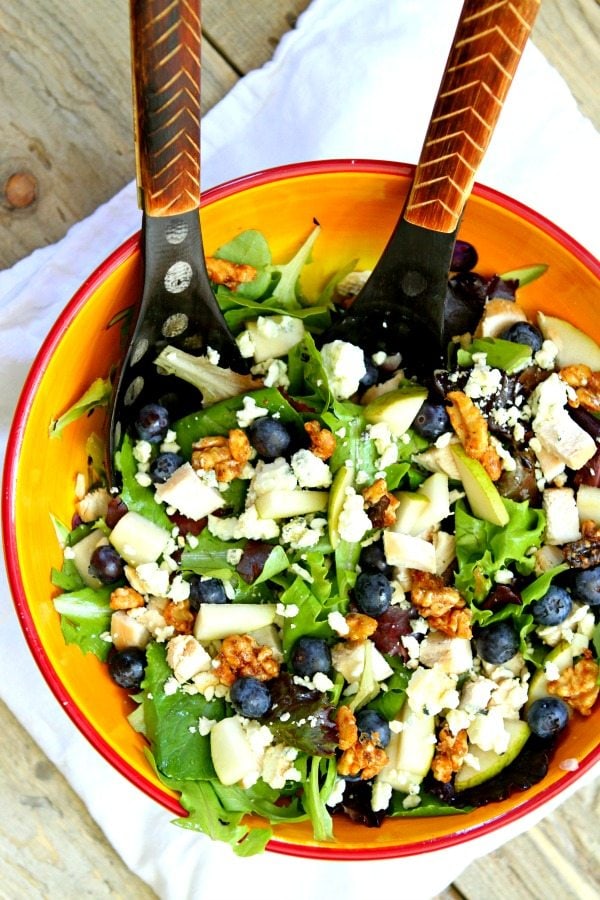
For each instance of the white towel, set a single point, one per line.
(356, 80)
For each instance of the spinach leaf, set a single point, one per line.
(138, 498)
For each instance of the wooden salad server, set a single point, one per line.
(402, 306)
(178, 306)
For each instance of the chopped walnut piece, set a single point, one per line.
(346, 725)
(440, 604)
(241, 656)
(126, 598)
(180, 616)
(585, 552)
(586, 384)
(360, 754)
(450, 752)
(223, 271)
(578, 684)
(361, 627)
(471, 429)
(227, 456)
(381, 504)
(322, 440)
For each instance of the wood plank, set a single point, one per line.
(50, 846)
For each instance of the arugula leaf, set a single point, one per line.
(308, 378)
(97, 394)
(261, 800)
(285, 294)
(179, 751)
(138, 498)
(315, 798)
(505, 355)
(84, 616)
(249, 248)
(346, 560)
(240, 310)
(525, 275)
(221, 417)
(429, 806)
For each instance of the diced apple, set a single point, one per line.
(138, 540)
(231, 751)
(484, 499)
(397, 409)
(489, 762)
(187, 493)
(284, 504)
(215, 622)
(343, 479)
(409, 512)
(274, 336)
(82, 554)
(450, 654)
(588, 503)
(574, 346)
(409, 751)
(409, 551)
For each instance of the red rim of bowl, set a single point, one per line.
(31, 385)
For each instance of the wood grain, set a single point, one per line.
(65, 115)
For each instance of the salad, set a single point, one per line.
(339, 587)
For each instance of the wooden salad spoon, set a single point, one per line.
(403, 305)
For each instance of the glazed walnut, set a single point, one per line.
(586, 385)
(126, 598)
(440, 604)
(578, 685)
(322, 441)
(180, 616)
(360, 754)
(471, 429)
(450, 752)
(241, 656)
(381, 505)
(227, 456)
(361, 627)
(223, 271)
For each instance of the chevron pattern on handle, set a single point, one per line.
(166, 39)
(486, 50)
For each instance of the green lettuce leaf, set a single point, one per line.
(84, 616)
(98, 394)
(286, 293)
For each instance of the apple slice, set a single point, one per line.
(408, 551)
(397, 409)
(484, 499)
(284, 504)
(574, 347)
(82, 554)
(231, 751)
(343, 479)
(491, 763)
(412, 507)
(216, 621)
(409, 751)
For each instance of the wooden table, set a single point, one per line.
(65, 121)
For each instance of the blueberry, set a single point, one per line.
(106, 565)
(497, 643)
(309, 656)
(126, 667)
(375, 726)
(524, 333)
(152, 423)
(372, 559)
(464, 257)
(431, 421)
(164, 466)
(547, 716)
(586, 585)
(250, 697)
(371, 375)
(206, 590)
(553, 608)
(373, 593)
(269, 437)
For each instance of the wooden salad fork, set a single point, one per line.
(178, 306)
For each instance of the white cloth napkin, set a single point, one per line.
(356, 80)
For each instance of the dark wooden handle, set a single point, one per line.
(486, 50)
(165, 52)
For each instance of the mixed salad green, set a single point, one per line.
(337, 588)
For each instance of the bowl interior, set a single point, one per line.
(356, 205)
